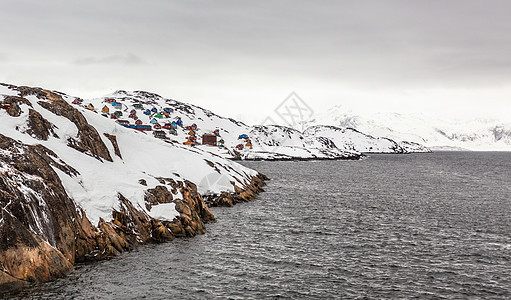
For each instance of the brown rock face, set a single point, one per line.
(89, 140)
(39, 126)
(12, 105)
(113, 140)
(157, 195)
(244, 194)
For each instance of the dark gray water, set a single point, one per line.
(391, 226)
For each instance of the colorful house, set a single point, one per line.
(76, 101)
(216, 132)
(179, 122)
(147, 112)
(191, 132)
(173, 124)
(153, 121)
(154, 110)
(114, 116)
(157, 126)
(209, 139)
(173, 131)
(138, 106)
(168, 110)
(242, 136)
(158, 115)
(133, 111)
(167, 126)
(138, 122)
(221, 143)
(118, 113)
(239, 146)
(109, 100)
(90, 106)
(133, 116)
(105, 109)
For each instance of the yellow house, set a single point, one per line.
(105, 109)
(90, 106)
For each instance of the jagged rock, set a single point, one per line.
(244, 194)
(39, 126)
(89, 140)
(157, 195)
(113, 140)
(12, 105)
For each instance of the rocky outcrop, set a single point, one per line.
(245, 193)
(89, 140)
(38, 126)
(113, 140)
(11, 104)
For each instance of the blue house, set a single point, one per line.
(168, 110)
(179, 122)
(173, 124)
(243, 136)
(147, 112)
(154, 110)
(153, 121)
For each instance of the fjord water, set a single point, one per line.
(389, 226)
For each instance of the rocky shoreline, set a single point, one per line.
(27, 258)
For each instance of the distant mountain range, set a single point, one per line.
(434, 133)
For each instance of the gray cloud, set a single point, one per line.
(211, 49)
(129, 59)
(4, 57)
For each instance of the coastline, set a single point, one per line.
(130, 227)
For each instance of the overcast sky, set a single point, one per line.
(242, 58)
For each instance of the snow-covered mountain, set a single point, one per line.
(176, 121)
(435, 133)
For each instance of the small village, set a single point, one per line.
(161, 123)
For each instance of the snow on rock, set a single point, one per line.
(349, 138)
(100, 175)
(435, 133)
(159, 116)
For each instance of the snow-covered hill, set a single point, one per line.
(109, 159)
(77, 186)
(435, 133)
(186, 124)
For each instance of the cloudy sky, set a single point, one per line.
(242, 58)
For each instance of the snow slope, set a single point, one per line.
(454, 134)
(96, 186)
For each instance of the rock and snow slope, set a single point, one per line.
(101, 172)
(258, 142)
(435, 133)
(77, 186)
